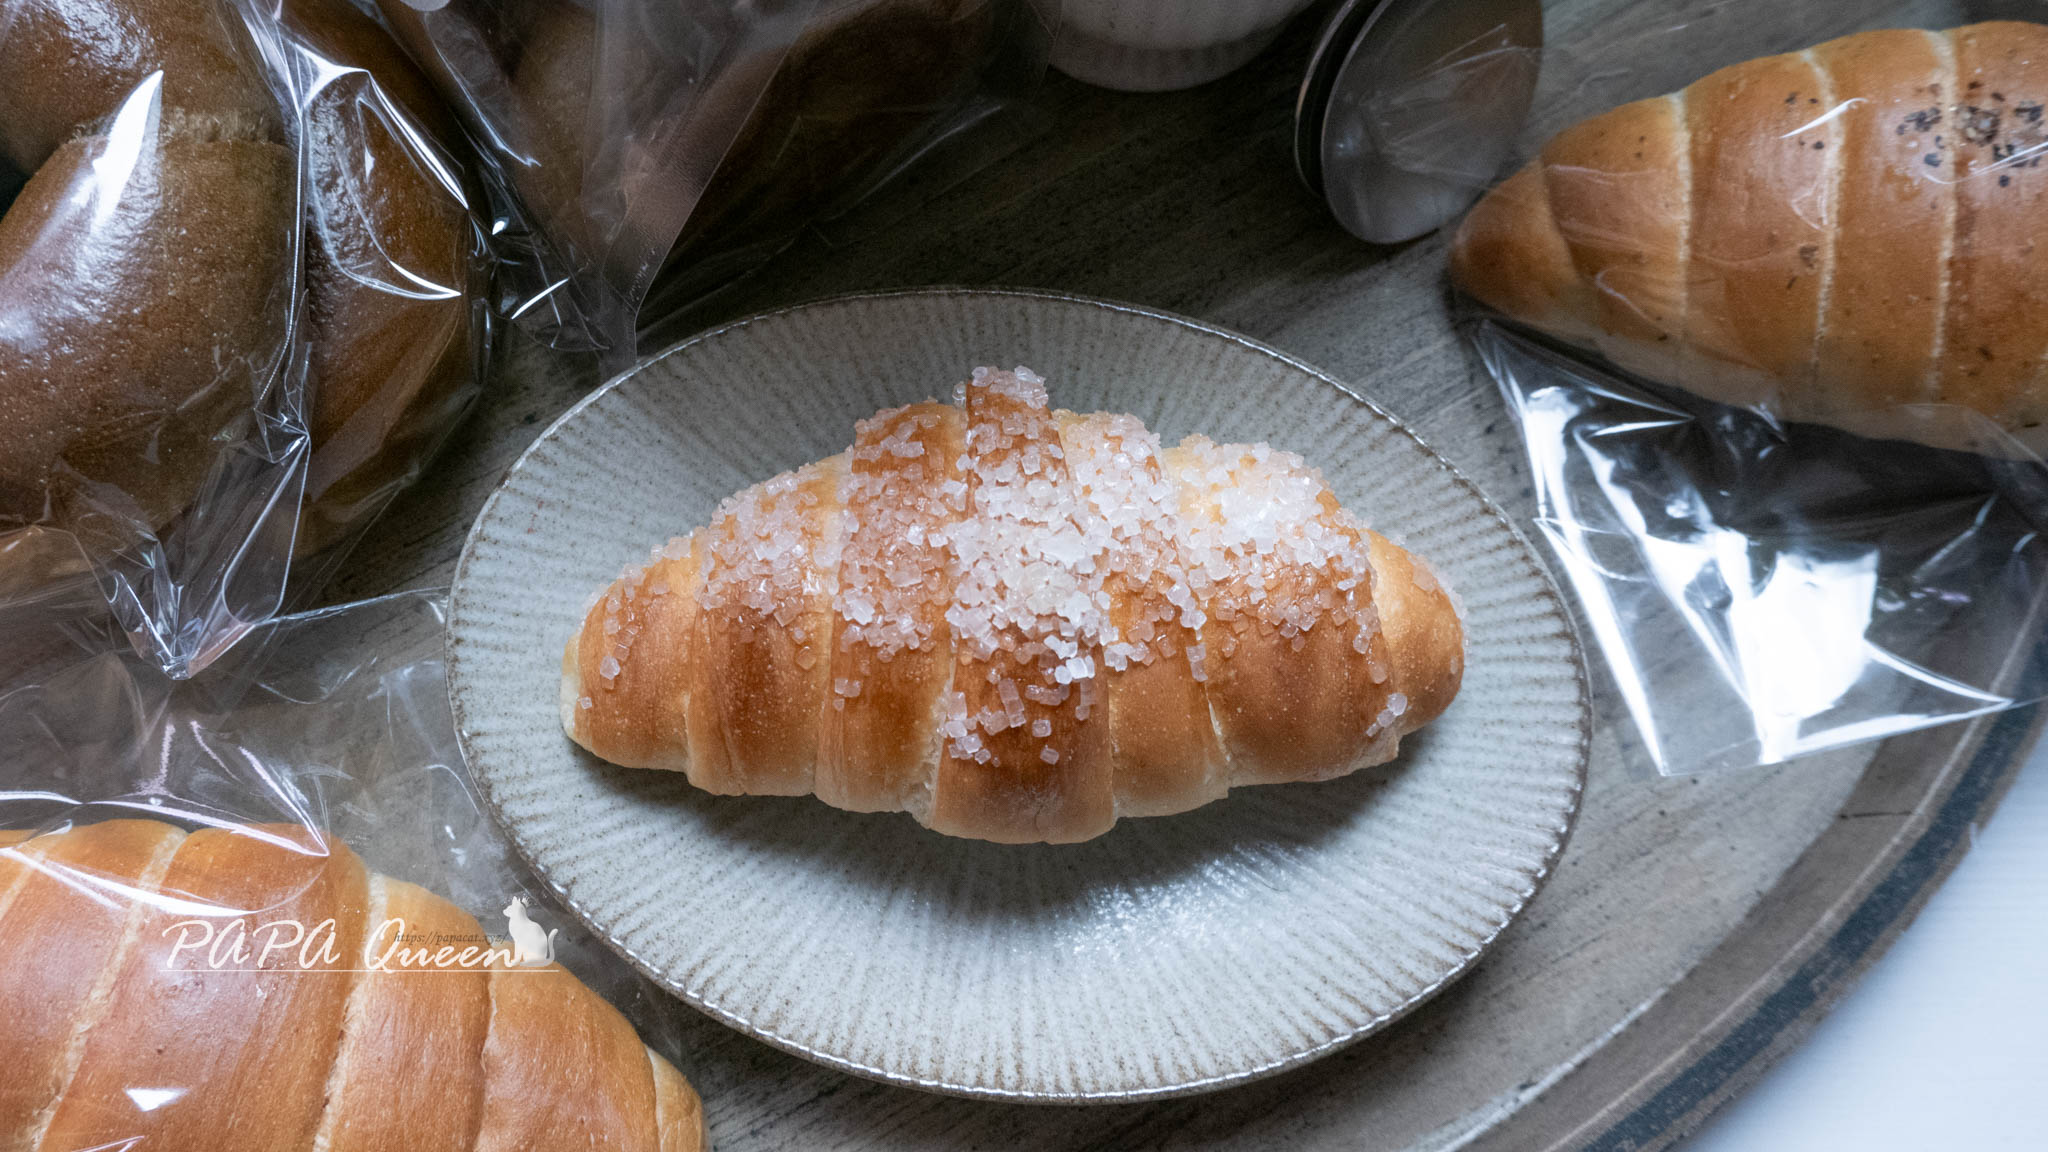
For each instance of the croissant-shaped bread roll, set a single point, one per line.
(249, 989)
(1017, 625)
(1829, 234)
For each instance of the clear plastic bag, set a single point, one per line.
(236, 312)
(1767, 346)
(323, 739)
(398, 264)
(641, 155)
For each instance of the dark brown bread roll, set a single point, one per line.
(388, 271)
(554, 79)
(145, 269)
(863, 80)
(137, 314)
(64, 64)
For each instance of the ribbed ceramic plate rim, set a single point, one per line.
(677, 985)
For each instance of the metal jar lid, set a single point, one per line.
(1410, 107)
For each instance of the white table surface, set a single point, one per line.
(1944, 1043)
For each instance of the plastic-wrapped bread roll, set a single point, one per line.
(1829, 235)
(143, 269)
(1017, 625)
(125, 354)
(54, 995)
(389, 272)
(146, 269)
(251, 988)
(67, 63)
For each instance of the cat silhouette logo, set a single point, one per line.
(531, 947)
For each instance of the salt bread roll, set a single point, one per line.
(135, 1021)
(1017, 625)
(1837, 235)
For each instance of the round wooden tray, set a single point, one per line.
(1696, 927)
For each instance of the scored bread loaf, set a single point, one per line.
(127, 1030)
(1018, 625)
(1828, 234)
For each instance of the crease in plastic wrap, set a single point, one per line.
(238, 304)
(641, 155)
(263, 908)
(1775, 349)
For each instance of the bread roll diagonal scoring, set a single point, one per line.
(1832, 234)
(328, 1009)
(1017, 625)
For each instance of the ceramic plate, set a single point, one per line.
(1173, 955)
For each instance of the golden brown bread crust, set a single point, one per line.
(679, 1113)
(138, 334)
(1512, 255)
(768, 699)
(709, 756)
(881, 755)
(1879, 337)
(338, 1055)
(1992, 356)
(1165, 756)
(1301, 707)
(1829, 233)
(1760, 191)
(562, 1069)
(404, 1019)
(641, 721)
(229, 1037)
(1034, 784)
(1205, 668)
(1619, 191)
(1424, 643)
(48, 994)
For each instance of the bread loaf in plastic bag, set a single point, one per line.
(264, 908)
(1763, 304)
(241, 282)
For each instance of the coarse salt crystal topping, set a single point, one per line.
(899, 501)
(1028, 562)
(772, 550)
(1022, 544)
(1268, 542)
(626, 604)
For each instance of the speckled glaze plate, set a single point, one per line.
(1173, 955)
